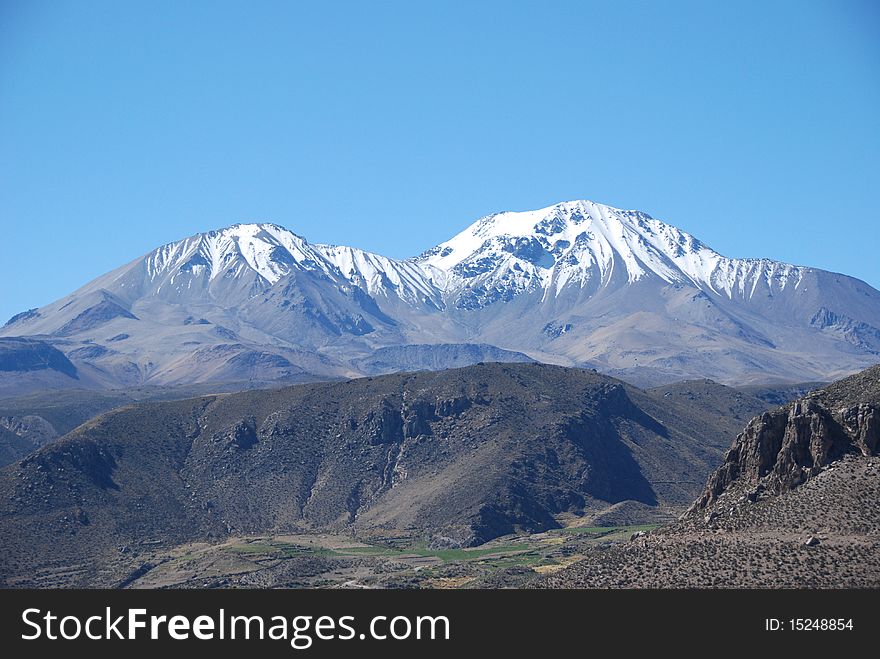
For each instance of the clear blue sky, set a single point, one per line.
(393, 125)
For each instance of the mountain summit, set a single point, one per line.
(577, 283)
(589, 245)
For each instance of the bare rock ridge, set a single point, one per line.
(781, 449)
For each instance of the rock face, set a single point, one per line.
(782, 449)
(463, 455)
(20, 435)
(34, 428)
(796, 504)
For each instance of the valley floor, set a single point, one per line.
(743, 544)
(325, 560)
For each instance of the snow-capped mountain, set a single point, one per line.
(262, 254)
(577, 283)
(580, 244)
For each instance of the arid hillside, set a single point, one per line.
(795, 504)
(455, 458)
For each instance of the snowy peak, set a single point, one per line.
(584, 243)
(576, 231)
(261, 254)
(268, 250)
(383, 276)
(575, 245)
(574, 283)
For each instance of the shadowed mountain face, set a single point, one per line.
(795, 504)
(576, 284)
(19, 355)
(455, 457)
(434, 357)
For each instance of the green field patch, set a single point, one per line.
(368, 551)
(285, 550)
(279, 550)
(602, 531)
(469, 554)
(527, 559)
(255, 548)
(292, 551)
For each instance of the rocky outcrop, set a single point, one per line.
(862, 422)
(393, 423)
(30, 427)
(20, 435)
(782, 449)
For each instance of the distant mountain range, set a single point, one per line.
(577, 284)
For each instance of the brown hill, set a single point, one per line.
(455, 457)
(796, 503)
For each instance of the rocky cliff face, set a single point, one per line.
(782, 449)
(795, 504)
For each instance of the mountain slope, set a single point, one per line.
(577, 283)
(454, 457)
(625, 292)
(795, 504)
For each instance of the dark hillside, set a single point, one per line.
(457, 457)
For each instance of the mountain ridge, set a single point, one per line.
(455, 457)
(576, 283)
